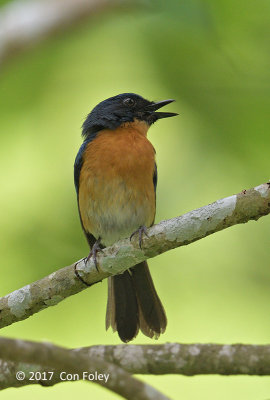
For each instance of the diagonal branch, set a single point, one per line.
(76, 362)
(170, 358)
(24, 23)
(176, 232)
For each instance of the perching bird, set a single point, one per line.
(115, 178)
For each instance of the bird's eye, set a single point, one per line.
(129, 102)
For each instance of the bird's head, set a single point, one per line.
(127, 107)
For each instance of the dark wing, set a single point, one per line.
(78, 166)
(155, 187)
(77, 170)
(79, 159)
(155, 177)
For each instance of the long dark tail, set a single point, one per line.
(133, 304)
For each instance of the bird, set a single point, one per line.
(115, 176)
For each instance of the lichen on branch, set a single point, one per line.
(176, 232)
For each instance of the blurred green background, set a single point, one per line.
(214, 59)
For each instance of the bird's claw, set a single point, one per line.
(93, 253)
(141, 230)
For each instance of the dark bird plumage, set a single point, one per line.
(115, 177)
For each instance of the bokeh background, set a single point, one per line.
(214, 59)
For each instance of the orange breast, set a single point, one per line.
(116, 191)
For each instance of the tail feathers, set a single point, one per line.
(152, 316)
(122, 307)
(133, 304)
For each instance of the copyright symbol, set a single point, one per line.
(20, 375)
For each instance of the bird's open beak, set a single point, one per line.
(156, 106)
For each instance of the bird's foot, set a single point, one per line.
(141, 231)
(93, 253)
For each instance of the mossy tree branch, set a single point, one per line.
(73, 363)
(169, 358)
(176, 232)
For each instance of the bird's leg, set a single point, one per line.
(141, 230)
(95, 249)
